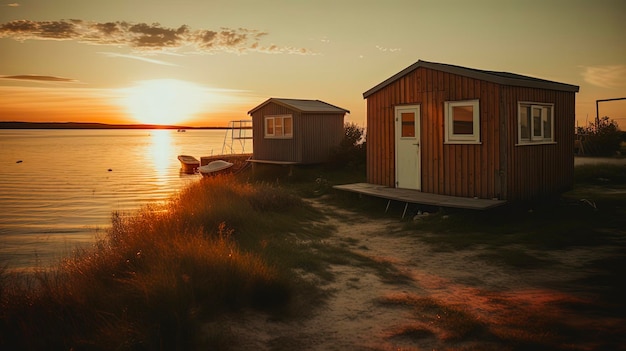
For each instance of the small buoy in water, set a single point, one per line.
(18, 161)
(110, 170)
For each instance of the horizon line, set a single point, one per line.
(94, 125)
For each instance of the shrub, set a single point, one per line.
(602, 138)
(351, 152)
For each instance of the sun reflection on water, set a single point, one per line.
(161, 150)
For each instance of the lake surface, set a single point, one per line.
(58, 188)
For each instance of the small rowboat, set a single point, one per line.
(188, 164)
(214, 168)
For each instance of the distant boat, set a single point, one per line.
(181, 130)
(188, 164)
(214, 168)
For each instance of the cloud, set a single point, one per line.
(145, 37)
(37, 78)
(613, 76)
(139, 58)
(14, 4)
(383, 49)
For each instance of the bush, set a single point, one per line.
(351, 152)
(602, 138)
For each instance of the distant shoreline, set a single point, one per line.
(81, 125)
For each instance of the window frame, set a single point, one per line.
(547, 115)
(277, 127)
(450, 137)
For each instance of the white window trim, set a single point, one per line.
(450, 137)
(533, 139)
(274, 118)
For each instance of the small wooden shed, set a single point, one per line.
(295, 131)
(464, 132)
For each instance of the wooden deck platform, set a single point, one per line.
(270, 162)
(418, 197)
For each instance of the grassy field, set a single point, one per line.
(223, 245)
(589, 220)
(220, 246)
(589, 214)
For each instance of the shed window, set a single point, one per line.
(462, 123)
(279, 127)
(535, 123)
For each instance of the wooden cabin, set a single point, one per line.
(295, 131)
(464, 132)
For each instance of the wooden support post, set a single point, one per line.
(388, 203)
(405, 207)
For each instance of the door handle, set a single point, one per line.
(417, 144)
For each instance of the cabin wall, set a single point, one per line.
(321, 133)
(269, 149)
(467, 170)
(314, 136)
(536, 171)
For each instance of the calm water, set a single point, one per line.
(69, 182)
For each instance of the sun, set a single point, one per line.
(164, 101)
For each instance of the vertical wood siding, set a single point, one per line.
(495, 168)
(287, 150)
(537, 171)
(451, 169)
(314, 135)
(321, 133)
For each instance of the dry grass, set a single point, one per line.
(158, 274)
(161, 278)
(504, 322)
(434, 319)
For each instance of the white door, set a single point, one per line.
(408, 172)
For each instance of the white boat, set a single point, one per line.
(214, 167)
(188, 164)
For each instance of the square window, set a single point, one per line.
(535, 123)
(462, 122)
(279, 127)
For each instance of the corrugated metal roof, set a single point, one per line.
(302, 105)
(503, 78)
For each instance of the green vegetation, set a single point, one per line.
(589, 214)
(602, 138)
(351, 151)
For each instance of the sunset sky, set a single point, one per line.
(204, 62)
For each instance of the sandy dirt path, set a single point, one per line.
(353, 317)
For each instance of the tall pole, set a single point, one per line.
(597, 115)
